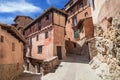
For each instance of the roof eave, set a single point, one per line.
(44, 14)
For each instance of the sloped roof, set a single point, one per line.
(13, 31)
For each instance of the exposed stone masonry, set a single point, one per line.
(107, 43)
(10, 72)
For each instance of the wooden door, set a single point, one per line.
(59, 52)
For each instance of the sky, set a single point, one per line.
(9, 9)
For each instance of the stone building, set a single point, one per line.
(79, 27)
(45, 39)
(105, 47)
(11, 52)
(20, 22)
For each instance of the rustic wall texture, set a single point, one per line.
(11, 62)
(105, 48)
(10, 71)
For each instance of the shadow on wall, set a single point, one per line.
(72, 47)
(80, 54)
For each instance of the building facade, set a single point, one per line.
(11, 52)
(45, 36)
(20, 22)
(79, 27)
(105, 45)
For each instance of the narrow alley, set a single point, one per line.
(59, 39)
(75, 67)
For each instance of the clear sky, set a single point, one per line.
(33, 8)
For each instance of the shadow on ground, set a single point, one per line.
(74, 58)
(29, 76)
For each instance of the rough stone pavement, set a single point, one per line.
(75, 67)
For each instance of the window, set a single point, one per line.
(37, 37)
(81, 5)
(75, 45)
(13, 46)
(46, 35)
(86, 14)
(93, 4)
(76, 34)
(74, 19)
(47, 17)
(39, 26)
(88, 2)
(40, 49)
(2, 39)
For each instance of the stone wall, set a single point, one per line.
(10, 71)
(106, 63)
(50, 64)
(106, 46)
(44, 67)
(30, 76)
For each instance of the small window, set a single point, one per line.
(2, 39)
(37, 37)
(47, 17)
(13, 46)
(75, 45)
(46, 35)
(93, 4)
(74, 20)
(39, 27)
(40, 49)
(76, 34)
(88, 2)
(86, 14)
(81, 5)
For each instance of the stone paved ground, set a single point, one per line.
(75, 67)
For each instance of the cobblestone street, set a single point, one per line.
(75, 67)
